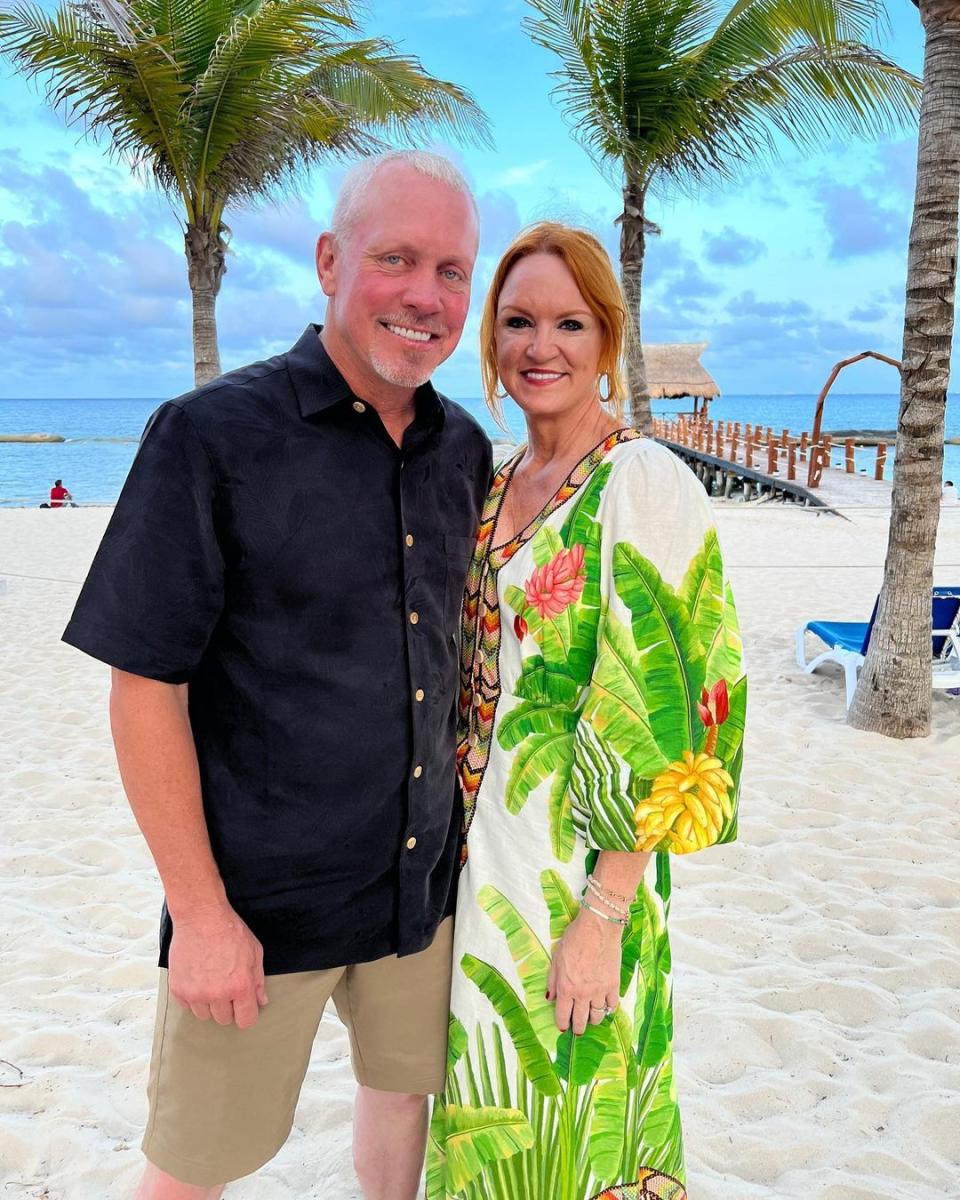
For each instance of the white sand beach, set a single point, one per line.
(817, 960)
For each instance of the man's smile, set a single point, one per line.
(408, 334)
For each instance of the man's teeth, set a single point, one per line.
(543, 374)
(412, 335)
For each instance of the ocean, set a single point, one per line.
(102, 436)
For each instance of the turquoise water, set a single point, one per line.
(102, 436)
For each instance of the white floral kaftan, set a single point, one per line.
(602, 708)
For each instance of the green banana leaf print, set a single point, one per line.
(533, 1058)
(616, 1076)
(617, 716)
(544, 755)
(709, 602)
(616, 704)
(568, 1120)
(475, 1137)
(673, 669)
(543, 724)
(661, 1144)
(530, 958)
(596, 772)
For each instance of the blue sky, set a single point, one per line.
(796, 266)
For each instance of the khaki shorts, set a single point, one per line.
(222, 1099)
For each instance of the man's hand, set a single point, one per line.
(216, 964)
(216, 968)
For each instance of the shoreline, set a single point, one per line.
(94, 469)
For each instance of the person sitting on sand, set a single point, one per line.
(59, 494)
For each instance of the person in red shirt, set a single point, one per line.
(58, 493)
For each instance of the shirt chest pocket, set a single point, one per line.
(457, 552)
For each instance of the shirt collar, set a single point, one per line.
(319, 385)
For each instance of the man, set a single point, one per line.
(278, 593)
(58, 494)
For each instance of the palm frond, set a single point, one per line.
(195, 29)
(129, 95)
(737, 129)
(621, 84)
(248, 75)
(192, 29)
(261, 120)
(664, 91)
(393, 94)
(281, 145)
(564, 28)
(226, 99)
(821, 21)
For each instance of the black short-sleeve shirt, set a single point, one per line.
(273, 548)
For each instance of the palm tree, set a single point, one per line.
(894, 694)
(227, 101)
(678, 92)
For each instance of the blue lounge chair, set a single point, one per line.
(847, 642)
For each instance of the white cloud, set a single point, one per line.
(519, 175)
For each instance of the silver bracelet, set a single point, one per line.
(602, 915)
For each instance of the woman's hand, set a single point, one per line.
(584, 977)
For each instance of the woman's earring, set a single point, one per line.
(603, 381)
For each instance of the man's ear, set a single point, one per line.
(327, 263)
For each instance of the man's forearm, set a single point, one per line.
(158, 766)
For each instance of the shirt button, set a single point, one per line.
(409, 539)
(411, 842)
(359, 407)
(418, 694)
(417, 771)
(414, 618)
(477, 699)
(472, 738)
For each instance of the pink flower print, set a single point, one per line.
(557, 584)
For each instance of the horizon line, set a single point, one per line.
(655, 400)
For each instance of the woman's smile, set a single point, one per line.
(542, 378)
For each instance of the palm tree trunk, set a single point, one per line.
(206, 266)
(632, 249)
(894, 693)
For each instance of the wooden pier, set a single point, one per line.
(728, 457)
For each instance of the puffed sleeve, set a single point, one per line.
(658, 744)
(155, 590)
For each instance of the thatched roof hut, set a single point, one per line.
(674, 370)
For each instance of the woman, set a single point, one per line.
(602, 707)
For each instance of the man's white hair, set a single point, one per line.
(362, 174)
